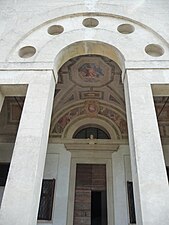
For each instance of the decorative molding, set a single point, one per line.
(91, 94)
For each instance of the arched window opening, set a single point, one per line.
(91, 133)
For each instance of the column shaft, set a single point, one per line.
(22, 191)
(148, 167)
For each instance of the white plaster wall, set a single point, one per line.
(57, 166)
(17, 17)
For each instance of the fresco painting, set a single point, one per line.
(91, 72)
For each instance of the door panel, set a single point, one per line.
(90, 206)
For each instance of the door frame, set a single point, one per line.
(109, 182)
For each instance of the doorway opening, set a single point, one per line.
(89, 117)
(90, 206)
(98, 208)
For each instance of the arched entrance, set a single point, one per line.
(35, 62)
(89, 118)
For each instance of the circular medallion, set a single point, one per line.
(92, 108)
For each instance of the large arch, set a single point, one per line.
(129, 42)
(89, 47)
(51, 51)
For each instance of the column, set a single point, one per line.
(1, 100)
(151, 188)
(22, 191)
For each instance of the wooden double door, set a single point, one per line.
(90, 206)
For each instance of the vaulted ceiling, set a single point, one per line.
(89, 86)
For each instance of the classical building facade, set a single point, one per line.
(84, 112)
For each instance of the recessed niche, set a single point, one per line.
(154, 50)
(27, 52)
(125, 28)
(90, 22)
(55, 30)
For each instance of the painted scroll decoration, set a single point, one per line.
(91, 109)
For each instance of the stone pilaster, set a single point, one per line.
(151, 189)
(62, 191)
(22, 191)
